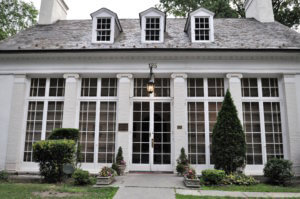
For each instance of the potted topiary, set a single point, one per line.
(120, 162)
(191, 179)
(106, 176)
(182, 163)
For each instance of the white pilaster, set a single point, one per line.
(71, 94)
(291, 90)
(16, 121)
(236, 92)
(124, 110)
(180, 136)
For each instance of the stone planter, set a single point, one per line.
(105, 180)
(122, 169)
(191, 183)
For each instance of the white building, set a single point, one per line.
(92, 75)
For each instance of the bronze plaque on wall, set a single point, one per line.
(123, 127)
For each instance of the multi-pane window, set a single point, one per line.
(97, 119)
(162, 87)
(215, 87)
(89, 87)
(202, 29)
(40, 108)
(205, 96)
(195, 87)
(87, 121)
(152, 29)
(262, 95)
(252, 129)
(109, 87)
(196, 135)
(107, 132)
(103, 29)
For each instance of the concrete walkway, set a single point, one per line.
(165, 186)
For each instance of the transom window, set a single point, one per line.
(195, 87)
(43, 106)
(103, 29)
(89, 87)
(162, 87)
(152, 29)
(202, 29)
(262, 95)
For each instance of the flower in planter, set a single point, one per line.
(191, 174)
(106, 172)
(122, 162)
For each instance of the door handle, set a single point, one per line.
(152, 143)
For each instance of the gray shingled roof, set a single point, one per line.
(229, 34)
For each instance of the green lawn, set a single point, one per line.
(254, 188)
(26, 191)
(202, 197)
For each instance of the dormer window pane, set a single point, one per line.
(202, 29)
(103, 29)
(152, 29)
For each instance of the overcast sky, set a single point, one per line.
(81, 9)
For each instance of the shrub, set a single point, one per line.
(239, 179)
(119, 158)
(65, 133)
(115, 167)
(279, 171)
(82, 177)
(213, 177)
(4, 176)
(228, 139)
(52, 155)
(182, 162)
(181, 169)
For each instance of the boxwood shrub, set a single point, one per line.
(213, 177)
(52, 155)
(279, 171)
(64, 133)
(82, 178)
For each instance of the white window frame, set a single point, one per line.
(153, 29)
(161, 27)
(95, 30)
(95, 166)
(203, 14)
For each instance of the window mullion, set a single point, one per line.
(207, 141)
(44, 123)
(96, 137)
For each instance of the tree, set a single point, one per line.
(15, 15)
(286, 12)
(228, 138)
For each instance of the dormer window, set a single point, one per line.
(202, 29)
(106, 26)
(152, 26)
(200, 26)
(103, 29)
(152, 29)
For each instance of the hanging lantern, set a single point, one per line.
(151, 83)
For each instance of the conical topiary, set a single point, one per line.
(119, 157)
(228, 138)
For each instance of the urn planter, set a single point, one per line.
(105, 180)
(122, 169)
(192, 183)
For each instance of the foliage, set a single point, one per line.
(228, 138)
(182, 162)
(119, 158)
(279, 171)
(191, 174)
(52, 155)
(107, 172)
(15, 15)
(115, 167)
(181, 169)
(286, 12)
(82, 177)
(213, 177)
(239, 179)
(64, 133)
(4, 176)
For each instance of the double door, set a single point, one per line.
(151, 136)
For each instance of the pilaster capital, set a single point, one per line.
(289, 78)
(71, 76)
(128, 76)
(234, 75)
(179, 75)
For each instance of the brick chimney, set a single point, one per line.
(52, 11)
(261, 10)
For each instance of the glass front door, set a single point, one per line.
(151, 136)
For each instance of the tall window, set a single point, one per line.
(103, 29)
(97, 121)
(45, 102)
(202, 29)
(162, 87)
(205, 95)
(152, 29)
(262, 95)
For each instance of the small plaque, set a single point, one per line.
(123, 127)
(179, 127)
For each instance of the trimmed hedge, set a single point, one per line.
(82, 177)
(213, 177)
(239, 179)
(4, 176)
(64, 133)
(52, 155)
(279, 171)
